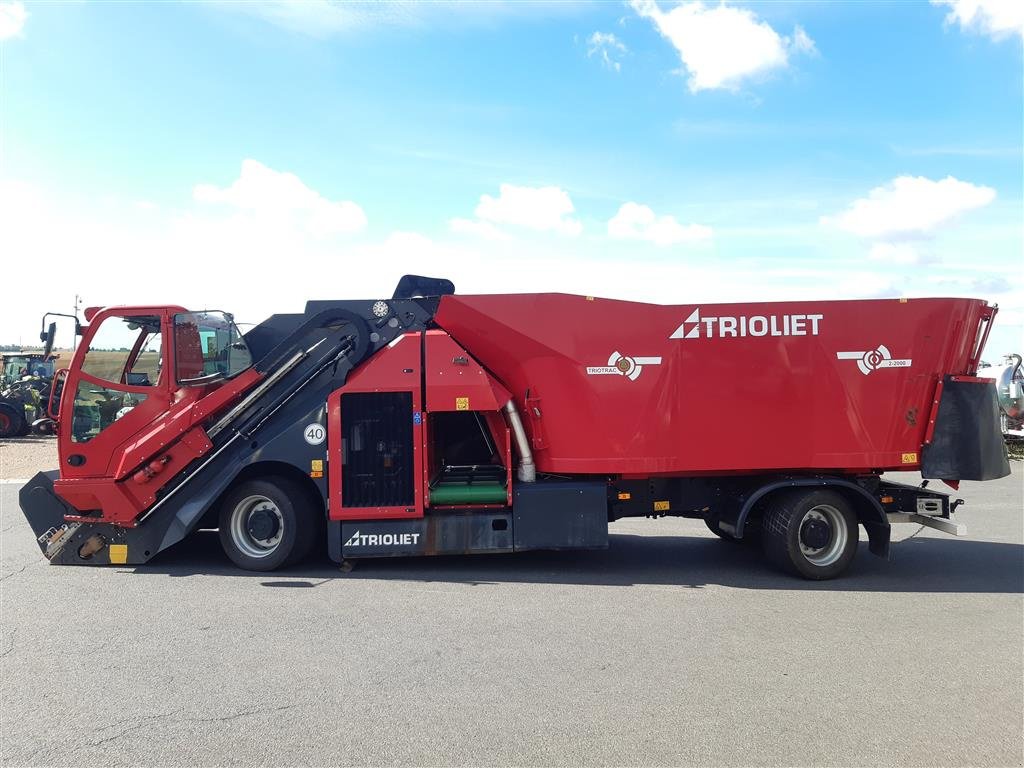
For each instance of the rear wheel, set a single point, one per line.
(811, 533)
(267, 524)
(12, 419)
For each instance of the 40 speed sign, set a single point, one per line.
(315, 434)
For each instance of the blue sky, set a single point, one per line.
(250, 156)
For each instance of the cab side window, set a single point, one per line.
(208, 345)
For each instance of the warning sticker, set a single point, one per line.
(461, 403)
(661, 506)
(910, 458)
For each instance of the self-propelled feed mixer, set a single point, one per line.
(435, 423)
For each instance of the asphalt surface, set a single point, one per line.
(670, 648)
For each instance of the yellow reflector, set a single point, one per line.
(625, 496)
(118, 554)
(888, 499)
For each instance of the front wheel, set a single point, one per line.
(267, 524)
(811, 533)
(11, 420)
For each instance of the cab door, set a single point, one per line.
(118, 385)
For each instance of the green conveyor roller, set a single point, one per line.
(462, 493)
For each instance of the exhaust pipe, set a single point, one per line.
(527, 469)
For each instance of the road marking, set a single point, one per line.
(16, 481)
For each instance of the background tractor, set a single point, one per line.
(26, 379)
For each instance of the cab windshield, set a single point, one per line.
(208, 346)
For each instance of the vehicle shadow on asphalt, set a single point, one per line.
(918, 564)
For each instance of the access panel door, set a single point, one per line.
(375, 438)
(377, 450)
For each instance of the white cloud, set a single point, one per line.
(723, 45)
(991, 284)
(284, 260)
(638, 222)
(275, 195)
(899, 253)
(12, 19)
(868, 285)
(608, 48)
(544, 209)
(910, 207)
(802, 42)
(995, 18)
(477, 228)
(285, 263)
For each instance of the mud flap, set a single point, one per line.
(967, 443)
(878, 538)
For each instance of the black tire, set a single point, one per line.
(712, 524)
(792, 530)
(291, 537)
(12, 419)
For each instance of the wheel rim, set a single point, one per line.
(826, 520)
(249, 514)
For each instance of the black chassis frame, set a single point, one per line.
(735, 501)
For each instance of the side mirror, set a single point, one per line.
(47, 334)
(47, 338)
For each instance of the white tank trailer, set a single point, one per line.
(1009, 379)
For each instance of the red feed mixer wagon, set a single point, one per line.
(433, 423)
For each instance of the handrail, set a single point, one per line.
(53, 388)
(984, 327)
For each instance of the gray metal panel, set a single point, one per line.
(560, 515)
(442, 534)
(334, 540)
